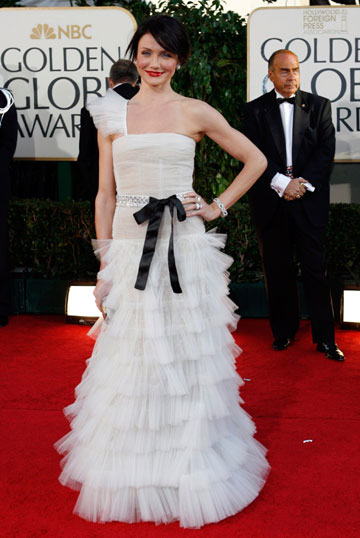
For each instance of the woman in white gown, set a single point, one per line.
(157, 432)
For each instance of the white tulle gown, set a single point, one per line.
(157, 432)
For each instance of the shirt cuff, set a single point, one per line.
(308, 186)
(279, 183)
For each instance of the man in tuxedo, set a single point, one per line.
(123, 78)
(290, 201)
(8, 137)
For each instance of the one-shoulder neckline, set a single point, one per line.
(126, 132)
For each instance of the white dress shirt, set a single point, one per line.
(280, 181)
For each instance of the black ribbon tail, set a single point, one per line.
(174, 278)
(153, 212)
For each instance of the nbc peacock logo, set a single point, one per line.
(69, 31)
(43, 30)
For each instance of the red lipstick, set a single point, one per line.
(154, 73)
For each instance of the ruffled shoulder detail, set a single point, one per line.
(109, 113)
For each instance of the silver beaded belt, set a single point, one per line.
(135, 200)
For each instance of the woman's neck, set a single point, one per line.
(154, 94)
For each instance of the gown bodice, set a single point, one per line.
(147, 164)
(154, 164)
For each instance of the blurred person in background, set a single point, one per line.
(122, 79)
(8, 137)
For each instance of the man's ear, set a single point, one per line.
(111, 82)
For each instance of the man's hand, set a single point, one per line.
(295, 189)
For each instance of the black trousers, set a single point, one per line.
(290, 233)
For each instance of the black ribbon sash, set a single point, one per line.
(153, 212)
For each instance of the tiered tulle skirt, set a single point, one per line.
(157, 433)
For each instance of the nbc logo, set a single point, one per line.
(70, 31)
(43, 30)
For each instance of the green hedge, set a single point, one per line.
(53, 240)
(343, 241)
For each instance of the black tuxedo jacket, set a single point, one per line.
(8, 137)
(312, 153)
(88, 148)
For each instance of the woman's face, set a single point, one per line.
(155, 65)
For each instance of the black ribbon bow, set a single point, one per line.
(290, 100)
(153, 212)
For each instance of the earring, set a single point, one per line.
(178, 67)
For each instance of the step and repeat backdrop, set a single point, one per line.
(327, 42)
(54, 60)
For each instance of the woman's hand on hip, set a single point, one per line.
(195, 206)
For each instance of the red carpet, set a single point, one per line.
(295, 395)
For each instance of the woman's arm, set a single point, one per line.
(105, 204)
(105, 201)
(209, 121)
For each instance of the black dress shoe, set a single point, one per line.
(331, 351)
(4, 320)
(279, 344)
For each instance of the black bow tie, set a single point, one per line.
(290, 100)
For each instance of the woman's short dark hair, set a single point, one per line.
(167, 31)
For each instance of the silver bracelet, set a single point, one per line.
(221, 206)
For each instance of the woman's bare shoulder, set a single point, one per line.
(204, 115)
(195, 105)
(200, 111)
